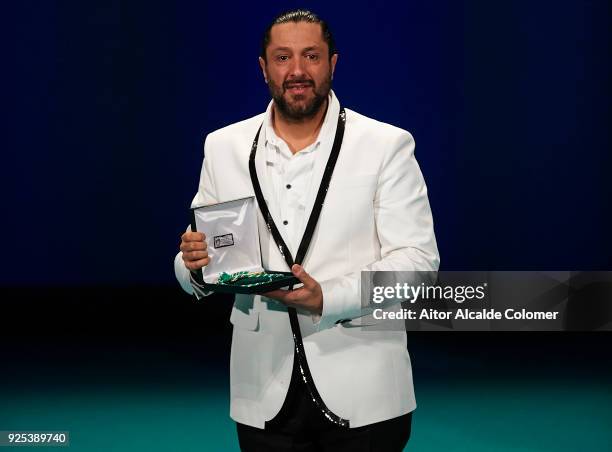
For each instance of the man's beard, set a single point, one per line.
(299, 113)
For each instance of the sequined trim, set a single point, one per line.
(299, 352)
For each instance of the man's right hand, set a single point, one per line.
(194, 251)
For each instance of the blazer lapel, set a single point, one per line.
(321, 160)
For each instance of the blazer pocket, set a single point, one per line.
(245, 320)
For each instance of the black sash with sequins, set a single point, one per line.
(299, 353)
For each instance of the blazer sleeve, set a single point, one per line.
(404, 228)
(206, 195)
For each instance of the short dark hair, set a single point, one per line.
(299, 15)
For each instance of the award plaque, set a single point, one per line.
(232, 237)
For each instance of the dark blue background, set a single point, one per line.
(105, 107)
(107, 103)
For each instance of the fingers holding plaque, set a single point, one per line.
(193, 247)
(232, 244)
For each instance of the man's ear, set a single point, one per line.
(262, 65)
(334, 60)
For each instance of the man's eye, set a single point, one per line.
(312, 56)
(282, 58)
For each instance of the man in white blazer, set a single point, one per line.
(375, 216)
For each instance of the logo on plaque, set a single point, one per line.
(223, 240)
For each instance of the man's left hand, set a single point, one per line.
(308, 297)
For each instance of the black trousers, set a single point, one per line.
(300, 426)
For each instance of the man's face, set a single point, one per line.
(298, 69)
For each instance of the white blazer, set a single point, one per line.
(376, 216)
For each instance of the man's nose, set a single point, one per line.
(297, 67)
